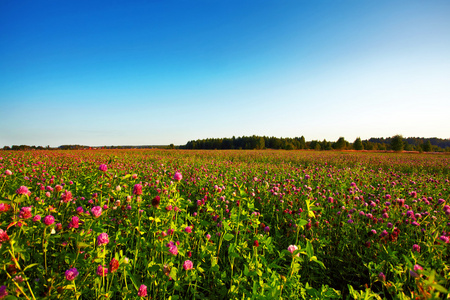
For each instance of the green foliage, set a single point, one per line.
(427, 146)
(340, 144)
(357, 144)
(250, 142)
(397, 143)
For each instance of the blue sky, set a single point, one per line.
(160, 72)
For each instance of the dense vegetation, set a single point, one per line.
(177, 224)
(397, 143)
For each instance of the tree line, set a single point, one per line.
(248, 142)
(84, 147)
(396, 143)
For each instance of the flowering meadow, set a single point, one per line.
(180, 224)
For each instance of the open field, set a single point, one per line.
(171, 224)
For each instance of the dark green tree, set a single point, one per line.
(408, 147)
(227, 143)
(340, 144)
(312, 144)
(260, 143)
(302, 142)
(325, 145)
(368, 145)
(397, 143)
(357, 144)
(427, 146)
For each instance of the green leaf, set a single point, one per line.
(82, 245)
(314, 258)
(213, 261)
(30, 266)
(308, 205)
(439, 288)
(133, 280)
(154, 268)
(20, 199)
(226, 226)
(228, 237)
(245, 270)
(295, 267)
(69, 287)
(351, 290)
(215, 268)
(301, 222)
(309, 250)
(410, 265)
(173, 273)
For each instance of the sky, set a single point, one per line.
(103, 73)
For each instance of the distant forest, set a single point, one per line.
(84, 147)
(397, 143)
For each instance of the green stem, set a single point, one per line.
(44, 248)
(64, 214)
(75, 287)
(220, 244)
(125, 278)
(3, 184)
(189, 288)
(292, 268)
(298, 231)
(110, 283)
(18, 267)
(138, 243)
(103, 268)
(18, 286)
(281, 291)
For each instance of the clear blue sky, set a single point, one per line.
(159, 72)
